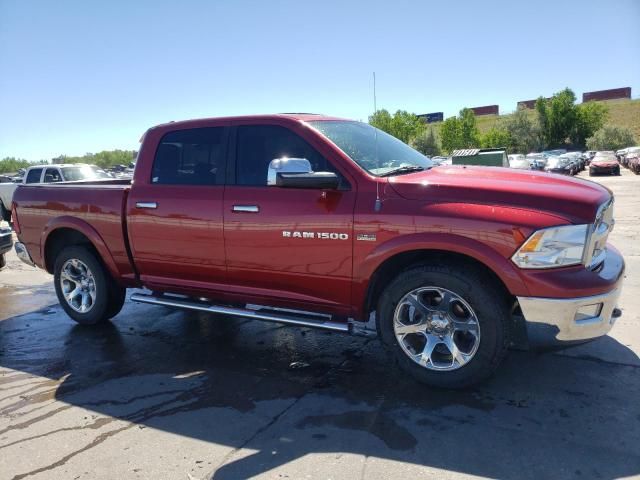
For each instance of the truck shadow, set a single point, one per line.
(286, 393)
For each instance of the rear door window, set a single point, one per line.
(34, 175)
(190, 157)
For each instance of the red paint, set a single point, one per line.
(194, 243)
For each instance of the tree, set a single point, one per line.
(12, 164)
(611, 138)
(590, 117)
(557, 117)
(403, 125)
(525, 132)
(496, 137)
(460, 132)
(427, 142)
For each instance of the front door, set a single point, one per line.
(293, 245)
(175, 218)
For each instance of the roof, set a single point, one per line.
(301, 117)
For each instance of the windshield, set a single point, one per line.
(85, 172)
(358, 141)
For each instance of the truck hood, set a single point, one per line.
(574, 199)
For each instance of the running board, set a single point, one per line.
(288, 317)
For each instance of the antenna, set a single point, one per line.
(378, 205)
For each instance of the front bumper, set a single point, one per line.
(601, 170)
(558, 321)
(6, 240)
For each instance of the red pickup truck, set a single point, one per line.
(319, 221)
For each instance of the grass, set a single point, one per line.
(622, 113)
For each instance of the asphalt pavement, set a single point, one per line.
(165, 394)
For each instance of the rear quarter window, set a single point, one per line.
(190, 157)
(33, 176)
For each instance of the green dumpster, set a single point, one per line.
(488, 157)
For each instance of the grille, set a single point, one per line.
(596, 250)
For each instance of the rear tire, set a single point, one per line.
(3, 261)
(481, 342)
(85, 290)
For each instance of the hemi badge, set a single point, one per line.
(366, 237)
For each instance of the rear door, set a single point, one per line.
(283, 244)
(175, 216)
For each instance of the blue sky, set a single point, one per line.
(78, 76)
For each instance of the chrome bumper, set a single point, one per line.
(556, 321)
(23, 254)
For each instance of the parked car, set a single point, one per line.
(6, 179)
(48, 174)
(6, 242)
(346, 229)
(439, 160)
(560, 165)
(604, 163)
(632, 159)
(575, 159)
(554, 153)
(537, 160)
(519, 161)
(629, 153)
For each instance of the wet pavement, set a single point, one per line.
(160, 393)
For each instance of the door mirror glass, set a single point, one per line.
(286, 165)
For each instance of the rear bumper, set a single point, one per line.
(561, 321)
(23, 254)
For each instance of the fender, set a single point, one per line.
(88, 231)
(446, 242)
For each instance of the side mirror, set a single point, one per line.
(286, 165)
(317, 180)
(297, 173)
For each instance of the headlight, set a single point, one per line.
(553, 247)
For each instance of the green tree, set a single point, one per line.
(496, 137)
(590, 117)
(469, 134)
(427, 142)
(403, 125)
(557, 117)
(525, 132)
(12, 164)
(460, 132)
(611, 138)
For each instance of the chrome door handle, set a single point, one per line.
(246, 208)
(146, 205)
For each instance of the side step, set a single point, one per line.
(289, 317)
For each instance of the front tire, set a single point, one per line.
(85, 290)
(446, 326)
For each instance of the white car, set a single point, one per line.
(519, 161)
(48, 174)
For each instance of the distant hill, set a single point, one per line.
(622, 113)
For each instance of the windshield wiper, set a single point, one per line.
(403, 169)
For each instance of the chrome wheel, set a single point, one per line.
(436, 328)
(78, 285)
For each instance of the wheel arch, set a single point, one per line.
(381, 267)
(62, 232)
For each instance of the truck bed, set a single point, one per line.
(96, 208)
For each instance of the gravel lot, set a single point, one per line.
(160, 394)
